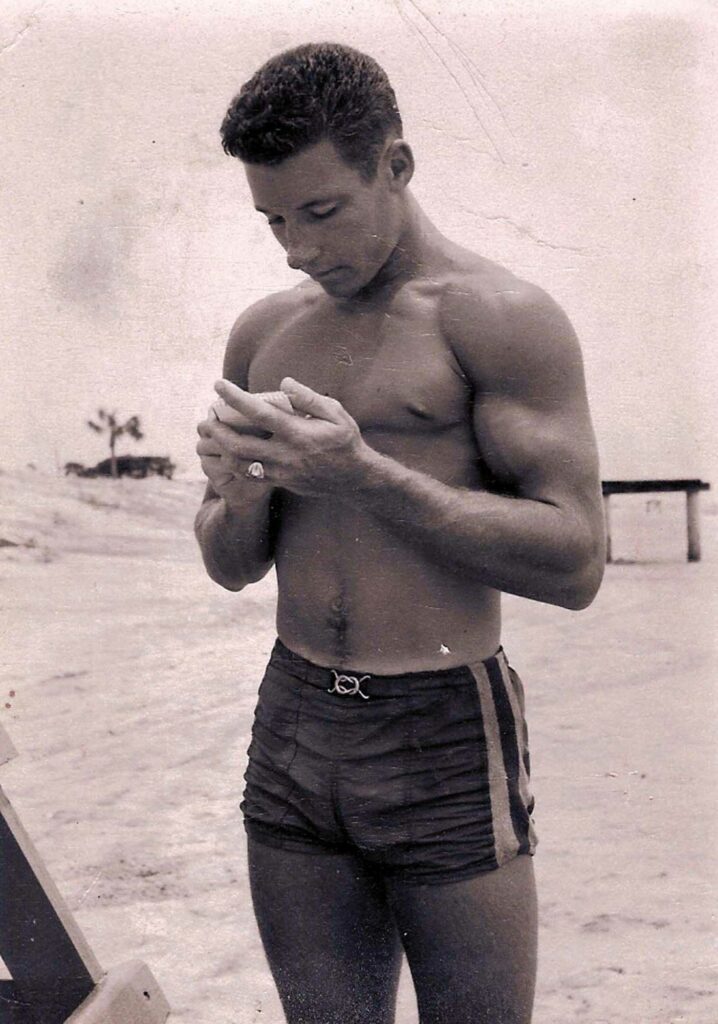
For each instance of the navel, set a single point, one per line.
(337, 621)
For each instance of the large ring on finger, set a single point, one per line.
(255, 471)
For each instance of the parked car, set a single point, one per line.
(135, 466)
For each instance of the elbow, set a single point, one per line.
(216, 574)
(577, 596)
(581, 584)
(251, 575)
(233, 585)
(228, 565)
(238, 581)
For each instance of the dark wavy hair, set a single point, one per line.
(310, 93)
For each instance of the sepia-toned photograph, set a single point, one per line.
(358, 512)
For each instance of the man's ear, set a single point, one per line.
(399, 163)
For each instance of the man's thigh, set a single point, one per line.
(329, 935)
(471, 945)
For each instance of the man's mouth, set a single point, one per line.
(324, 274)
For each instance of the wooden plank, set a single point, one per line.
(7, 750)
(129, 994)
(652, 486)
(51, 964)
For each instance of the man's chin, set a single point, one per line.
(339, 285)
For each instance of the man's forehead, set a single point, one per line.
(315, 173)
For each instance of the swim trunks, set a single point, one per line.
(424, 775)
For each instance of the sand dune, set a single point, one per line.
(128, 686)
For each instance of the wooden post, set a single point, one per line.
(607, 518)
(693, 523)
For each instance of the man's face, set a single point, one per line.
(336, 227)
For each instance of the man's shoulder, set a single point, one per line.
(498, 323)
(258, 322)
(255, 319)
(479, 294)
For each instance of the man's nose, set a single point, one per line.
(299, 257)
(301, 252)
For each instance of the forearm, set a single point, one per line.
(521, 546)
(236, 540)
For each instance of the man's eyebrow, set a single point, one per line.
(311, 202)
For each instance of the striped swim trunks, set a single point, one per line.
(424, 775)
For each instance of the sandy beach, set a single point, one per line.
(128, 683)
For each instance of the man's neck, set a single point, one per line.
(417, 243)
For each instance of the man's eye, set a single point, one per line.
(275, 222)
(322, 214)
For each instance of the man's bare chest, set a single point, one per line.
(391, 368)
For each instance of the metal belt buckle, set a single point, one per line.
(340, 680)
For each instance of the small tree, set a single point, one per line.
(110, 425)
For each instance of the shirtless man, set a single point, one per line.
(439, 451)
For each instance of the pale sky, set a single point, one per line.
(574, 142)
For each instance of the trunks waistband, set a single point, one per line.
(370, 684)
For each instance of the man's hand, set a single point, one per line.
(314, 452)
(216, 460)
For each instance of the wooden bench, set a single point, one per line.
(692, 490)
(55, 977)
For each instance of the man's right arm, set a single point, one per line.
(236, 523)
(236, 537)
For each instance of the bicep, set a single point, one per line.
(238, 354)
(537, 448)
(235, 367)
(246, 337)
(531, 417)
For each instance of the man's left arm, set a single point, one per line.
(542, 535)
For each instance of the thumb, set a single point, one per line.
(311, 403)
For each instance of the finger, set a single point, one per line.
(241, 446)
(208, 446)
(311, 403)
(223, 438)
(214, 470)
(204, 429)
(258, 411)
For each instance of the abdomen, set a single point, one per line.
(356, 593)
